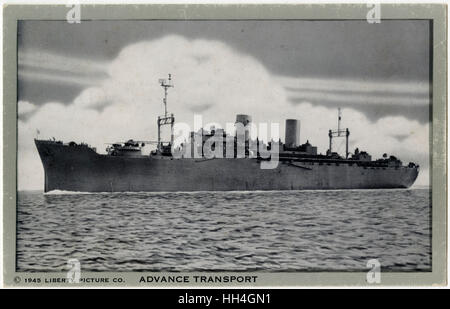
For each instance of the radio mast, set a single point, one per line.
(165, 120)
(166, 83)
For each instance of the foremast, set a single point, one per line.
(166, 119)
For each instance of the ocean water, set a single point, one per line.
(225, 231)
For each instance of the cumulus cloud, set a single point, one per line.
(25, 109)
(211, 79)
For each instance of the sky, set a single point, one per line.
(97, 81)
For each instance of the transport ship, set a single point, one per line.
(193, 167)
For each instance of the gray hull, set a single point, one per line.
(79, 168)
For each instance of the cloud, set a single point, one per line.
(47, 76)
(210, 78)
(375, 98)
(374, 112)
(25, 109)
(356, 85)
(60, 78)
(45, 60)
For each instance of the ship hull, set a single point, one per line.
(79, 168)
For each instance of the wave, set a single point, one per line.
(64, 192)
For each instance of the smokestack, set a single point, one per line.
(244, 120)
(292, 135)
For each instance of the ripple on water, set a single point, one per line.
(228, 231)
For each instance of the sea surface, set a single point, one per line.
(337, 230)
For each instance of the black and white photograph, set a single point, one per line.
(224, 145)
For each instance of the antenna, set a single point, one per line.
(166, 83)
(339, 133)
(339, 121)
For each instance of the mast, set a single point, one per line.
(165, 120)
(339, 133)
(166, 83)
